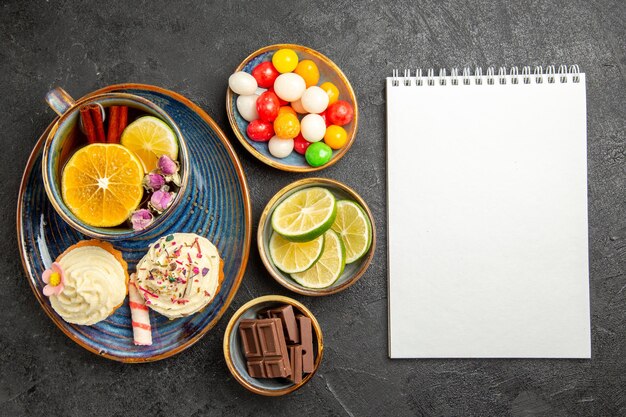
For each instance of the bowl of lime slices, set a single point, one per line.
(316, 236)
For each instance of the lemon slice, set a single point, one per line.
(292, 257)
(150, 138)
(328, 267)
(305, 214)
(101, 184)
(354, 228)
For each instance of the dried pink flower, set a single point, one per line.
(167, 166)
(141, 219)
(153, 181)
(161, 200)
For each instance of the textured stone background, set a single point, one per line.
(192, 48)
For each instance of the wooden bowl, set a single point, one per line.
(235, 359)
(351, 273)
(329, 71)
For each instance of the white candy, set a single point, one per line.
(313, 127)
(297, 106)
(314, 100)
(246, 105)
(280, 148)
(289, 86)
(242, 83)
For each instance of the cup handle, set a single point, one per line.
(59, 100)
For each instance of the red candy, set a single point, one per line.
(323, 114)
(339, 113)
(265, 74)
(267, 106)
(280, 100)
(260, 131)
(300, 144)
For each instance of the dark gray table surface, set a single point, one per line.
(192, 48)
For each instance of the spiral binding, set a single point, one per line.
(526, 76)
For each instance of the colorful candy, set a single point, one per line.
(280, 148)
(323, 114)
(267, 106)
(339, 113)
(297, 106)
(287, 126)
(318, 154)
(300, 144)
(285, 107)
(308, 71)
(314, 100)
(265, 74)
(313, 127)
(289, 86)
(242, 83)
(332, 91)
(280, 100)
(336, 137)
(260, 131)
(246, 106)
(285, 60)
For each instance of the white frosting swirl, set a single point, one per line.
(179, 275)
(95, 284)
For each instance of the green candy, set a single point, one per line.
(317, 154)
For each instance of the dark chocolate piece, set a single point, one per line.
(265, 348)
(295, 358)
(285, 313)
(306, 340)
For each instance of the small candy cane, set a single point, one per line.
(140, 317)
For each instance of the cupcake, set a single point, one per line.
(87, 282)
(180, 274)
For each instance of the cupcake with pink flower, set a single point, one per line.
(87, 282)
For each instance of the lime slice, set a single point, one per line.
(292, 257)
(328, 267)
(150, 138)
(305, 214)
(354, 228)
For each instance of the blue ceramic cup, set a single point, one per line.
(61, 142)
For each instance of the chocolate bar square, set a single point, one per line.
(265, 348)
(288, 318)
(306, 339)
(295, 359)
(250, 339)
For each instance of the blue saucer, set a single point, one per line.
(217, 206)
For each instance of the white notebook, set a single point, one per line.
(487, 214)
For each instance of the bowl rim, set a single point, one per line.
(60, 207)
(277, 164)
(231, 327)
(247, 227)
(287, 283)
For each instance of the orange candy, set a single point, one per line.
(286, 109)
(286, 126)
(332, 91)
(336, 137)
(308, 70)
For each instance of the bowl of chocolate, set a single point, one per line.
(273, 345)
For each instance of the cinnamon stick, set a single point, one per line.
(112, 135)
(96, 115)
(123, 121)
(88, 125)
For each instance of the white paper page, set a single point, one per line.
(487, 220)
